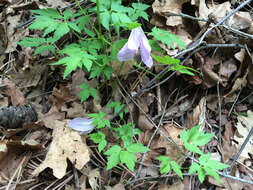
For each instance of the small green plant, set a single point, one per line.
(126, 155)
(205, 166)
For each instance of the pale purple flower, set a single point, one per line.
(83, 125)
(136, 40)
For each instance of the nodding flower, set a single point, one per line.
(136, 40)
(83, 125)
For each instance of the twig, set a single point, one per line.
(235, 101)
(150, 140)
(219, 108)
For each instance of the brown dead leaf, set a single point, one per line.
(226, 70)
(17, 97)
(197, 116)
(240, 20)
(15, 154)
(50, 118)
(169, 6)
(57, 4)
(66, 143)
(238, 84)
(13, 35)
(29, 77)
(210, 78)
(243, 126)
(218, 11)
(76, 110)
(240, 55)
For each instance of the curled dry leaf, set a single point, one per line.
(66, 143)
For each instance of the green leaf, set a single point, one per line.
(194, 168)
(128, 158)
(165, 160)
(49, 12)
(67, 14)
(32, 42)
(167, 60)
(114, 156)
(167, 38)
(86, 92)
(102, 145)
(74, 27)
(117, 107)
(138, 147)
(105, 19)
(60, 31)
(201, 175)
(213, 174)
(99, 119)
(192, 148)
(176, 168)
(99, 138)
(77, 57)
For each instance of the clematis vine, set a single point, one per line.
(136, 40)
(83, 125)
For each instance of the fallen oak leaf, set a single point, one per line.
(66, 143)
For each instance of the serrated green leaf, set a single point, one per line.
(117, 107)
(176, 169)
(102, 145)
(128, 158)
(49, 12)
(32, 42)
(140, 6)
(99, 138)
(201, 175)
(114, 156)
(194, 168)
(67, 14)
(42, 23)
(99, 119)
(202, 138)
(73, 26)
(165, 167)
(213, 174)
(138, 147)
(167, 60)
(86, 92)
(167, 38)
(105, 19)
(192, 148)
(61, 30)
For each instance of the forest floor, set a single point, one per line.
(38, 150)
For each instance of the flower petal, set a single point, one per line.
(83, 125)
(131, 47)
(126, 54)
(145, 51)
